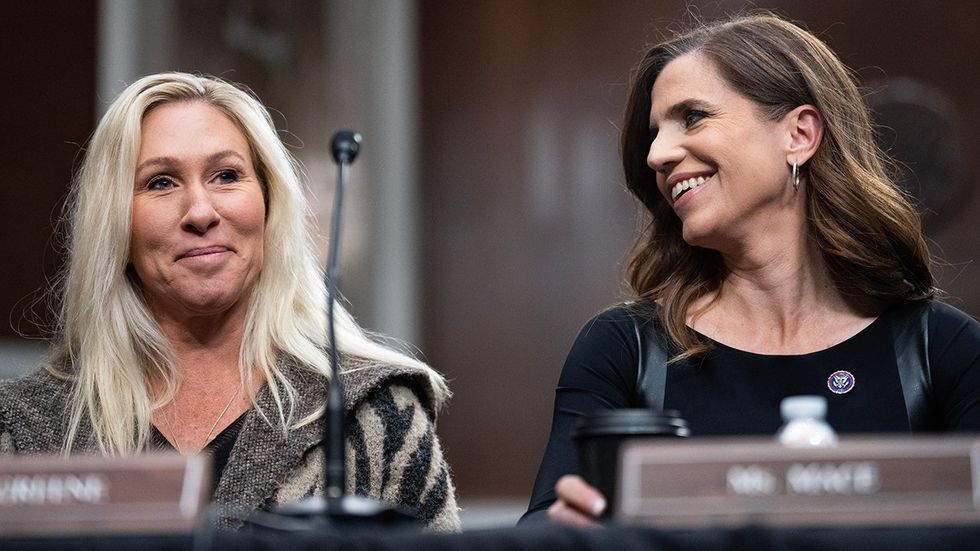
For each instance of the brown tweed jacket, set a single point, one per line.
(393, 453)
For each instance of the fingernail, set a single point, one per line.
(598, 507)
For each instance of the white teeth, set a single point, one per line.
(685, 185)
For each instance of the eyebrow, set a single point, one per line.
(171, 161)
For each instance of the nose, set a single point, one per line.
(665, 152)
(200, 214)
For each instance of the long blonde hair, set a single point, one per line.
(107, 342)
(869, 234)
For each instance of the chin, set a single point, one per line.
(210, 305)
(692, 237)
(703, 239)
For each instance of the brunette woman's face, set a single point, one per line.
(198, 212)
(720, 162)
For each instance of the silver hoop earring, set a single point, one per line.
(796, 177)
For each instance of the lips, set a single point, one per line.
(682, 183)
(203, 251)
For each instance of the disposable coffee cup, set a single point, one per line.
(598, 438)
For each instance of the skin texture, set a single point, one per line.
(198, 213)
(704, 128)
(197, 248)
(578, 503)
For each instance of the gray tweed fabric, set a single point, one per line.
(393, 453)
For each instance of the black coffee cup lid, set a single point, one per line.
(631, 422)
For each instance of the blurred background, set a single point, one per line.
(487, 218)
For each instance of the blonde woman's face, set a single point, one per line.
(198, 214)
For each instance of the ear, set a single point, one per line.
(805, 125)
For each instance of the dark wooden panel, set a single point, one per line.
(48, 98)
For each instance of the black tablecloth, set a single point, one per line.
(553, 537)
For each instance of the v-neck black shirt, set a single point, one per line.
(219, 448)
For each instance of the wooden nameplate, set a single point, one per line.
(863, 481)
(148, 494)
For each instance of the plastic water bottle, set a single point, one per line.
(804, 425)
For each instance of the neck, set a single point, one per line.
(782, 283)
(779, 297)
(211, 393)
(208, 346)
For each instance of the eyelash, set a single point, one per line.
(152, 184)
(226, 175)
(695, 114)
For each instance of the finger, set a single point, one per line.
(562, 513)
(578, 494)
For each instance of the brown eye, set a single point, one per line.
(227, 176)
(691, 117)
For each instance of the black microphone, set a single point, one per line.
(345, 146)
(336, 508)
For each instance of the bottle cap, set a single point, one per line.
(793, 407)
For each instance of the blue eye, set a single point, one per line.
(160, 183)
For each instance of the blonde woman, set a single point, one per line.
(192, 317)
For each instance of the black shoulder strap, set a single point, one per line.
(911, 340)
(651, 372)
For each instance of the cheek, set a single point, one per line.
(248, 218)
(145, 232)
(252, 218)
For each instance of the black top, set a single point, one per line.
(219, 448)
(733, 392)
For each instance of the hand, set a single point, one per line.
(578, 504)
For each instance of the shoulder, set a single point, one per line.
(622, 323)
(943, 316)
(953, 334)
(607, 348)
(943, 321)
(37, 393)
(364, 379)
(623, 315)
(32, 410)
(393, 397)
(361, 378)
(617, 325)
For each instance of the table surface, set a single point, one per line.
(541, 536)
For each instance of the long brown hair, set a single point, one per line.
(869, 234)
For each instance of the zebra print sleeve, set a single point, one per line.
(393, 454)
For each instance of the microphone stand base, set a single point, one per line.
(349, 512)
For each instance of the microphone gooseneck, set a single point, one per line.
(345, 146)
(335, 508)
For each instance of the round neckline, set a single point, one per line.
(846, 342)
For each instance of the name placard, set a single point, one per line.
(878, 480)
(161, 493)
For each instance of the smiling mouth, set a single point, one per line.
(682, 187)
(203, 251)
